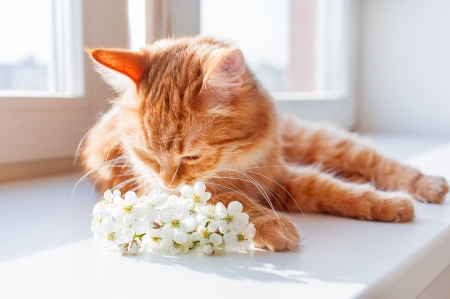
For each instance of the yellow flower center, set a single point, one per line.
(176, 245)
(128, 209)
(206, 234)
(111, 237)
(197, 198)
(156, 239)
(241, 238)
(175, 223)
(229, 218)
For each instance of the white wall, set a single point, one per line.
(404, 67)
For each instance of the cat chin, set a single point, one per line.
(171, 190)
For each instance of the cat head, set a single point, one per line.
(189, 109)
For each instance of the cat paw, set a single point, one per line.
(430, 189)
(395, 207)
(275, 233)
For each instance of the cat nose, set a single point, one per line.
(173, 185)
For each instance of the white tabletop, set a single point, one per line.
(47, 251)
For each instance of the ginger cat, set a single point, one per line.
(190, 109)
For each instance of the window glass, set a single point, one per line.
(41, 52)
(278, 38)
(25, 34)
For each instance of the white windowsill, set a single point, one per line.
(48, 251)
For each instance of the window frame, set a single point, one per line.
(40, 127)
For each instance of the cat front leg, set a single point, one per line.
(274, 231)
(315, 191)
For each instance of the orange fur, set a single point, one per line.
(193, 111)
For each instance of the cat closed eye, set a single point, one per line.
(190, 158)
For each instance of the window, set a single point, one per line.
(46, 117)
(42, 49)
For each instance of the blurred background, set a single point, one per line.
(378, 67)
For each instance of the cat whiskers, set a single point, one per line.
(278, 184)
(261, 189)
(79, 146)
(229, 189)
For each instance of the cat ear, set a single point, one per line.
(131, 64)
(225, 71)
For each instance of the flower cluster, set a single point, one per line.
(176, 223)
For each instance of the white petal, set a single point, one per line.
(107, 210)
(108, 195)
(230, 238)
(180, 211)
(246, 244)
(234, 207)
(154, 193)
(166, 232)
(196, 236)
(215, 239)
(213, 225)
(239, 222)
(223, 226)
(130, 198)
(152, 214)
(139, 210)
(166, 244)
(188, 224)
(187, 192)
(153, 232)
(161, 199)
(122, 248)
(208, 249)
(135, 248)
(205, 196)
(124, 235)
(118, 213)
(98, 208)
(184, 249)
(140, 227)
(117, 193)
(166, 215)
(174, 250)
(128, 218)
(179, 236)
(142, 199)
(201, 219)
(221, 210)
(118, 201)
(199, 187)
(250, 231)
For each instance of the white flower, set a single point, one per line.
(139, 226)
(196, 195)
(240, 240)
(232, 218)
(208, 239)
(172, 201)
(111, 234)
(208, 214)
(135, 247)
(174, 247)
(128, 209)
(153, 236)
(122, 248)
(177, 223)
(208, 249)
(100, 211)
(153, 201)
